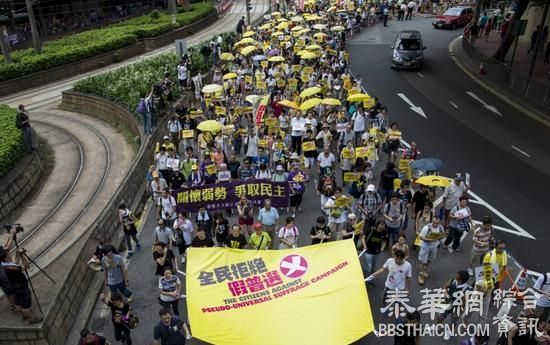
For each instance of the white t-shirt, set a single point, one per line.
(298, 126)
(330, 202)
(427, 231)
(543, 301)
(161, 161)
(397, 274)
(324, 161)
(453, 193)
(289, 235)
(182, 72)
(167, 205)
(358, 122)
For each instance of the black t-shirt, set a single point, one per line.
(386, 179)
(238, 242)
(176, 180)
(173, 335)
(187, 125)
(374, 241)
(117, 312)
(420, 200)
(198, 243)
(233, 167)
(167, 263)
(405, 198)
(315, 230)
(222, 229)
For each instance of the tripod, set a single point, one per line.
(23, 256)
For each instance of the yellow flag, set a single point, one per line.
(310, 288)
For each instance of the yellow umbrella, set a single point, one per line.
(320, 26)
(320, 35)
(212, 88)
(310, 91)
(210, 126)
(276, 59)
(308, 56)
(249, 34)
(434, 181)
(289, 104)
(297, 19)
(247, 50)
(227, 57)
(310, 103)
(276, 14)
(278, 33)
(338, 28)
(331, 9)
(282, 26)
(313, 18)
(265, 27)
(252, 98)
(297, 28)
(230, 76)
(331, 101)
(313, 47)
(282, 20)
(302, 52)
(247, 40)
(358, 97)
(304, 31)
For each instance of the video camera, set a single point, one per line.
(18, 227)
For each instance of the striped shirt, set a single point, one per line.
(483, 236)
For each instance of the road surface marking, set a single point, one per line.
(414, 108)
(485, 105)
(420, 74)
(454, 105)
(521, 151)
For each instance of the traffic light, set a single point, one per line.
(248, 5)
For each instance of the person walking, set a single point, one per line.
(171, 330)
(120, 313)
(482, 239)
(430, 236)
(115, 273)
(268, 217)
(460, 216)
(399, 274)
(22, 122)
(128, 221)
(169, 288)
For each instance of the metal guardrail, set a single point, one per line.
(532, 90)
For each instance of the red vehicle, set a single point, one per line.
(453, 18)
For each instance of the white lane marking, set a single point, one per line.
(454, 105)
(413, 107)
(485, 105)
(521, 151)
(420, 74)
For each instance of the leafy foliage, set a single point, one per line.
(11, 140)
(89, 43)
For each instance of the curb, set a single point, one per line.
(522, 108)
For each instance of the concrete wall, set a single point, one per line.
(65, 71)
(533, 15)
(18, 183)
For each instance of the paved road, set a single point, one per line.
(467, 136)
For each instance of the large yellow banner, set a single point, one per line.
(310, 295)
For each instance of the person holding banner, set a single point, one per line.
(320, 232)
(235, 240)
(259, 240)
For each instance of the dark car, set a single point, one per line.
(408, 50)
(453, 18)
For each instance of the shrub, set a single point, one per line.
(89, 43)
(11, 140)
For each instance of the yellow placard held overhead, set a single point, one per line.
(310, 288)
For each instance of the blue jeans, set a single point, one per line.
(147, 122)
(370, 260)
(120, 287)
(393, 234)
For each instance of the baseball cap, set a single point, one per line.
(459, 176)
(166, 137)
(279, 167)
(371, 188)
(258, 226)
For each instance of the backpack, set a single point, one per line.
(327, 182)
(141, 106)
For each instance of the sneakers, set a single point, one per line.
(138, 246)
(129, 255)
(451, 250)
(447, 335)
(424, 274)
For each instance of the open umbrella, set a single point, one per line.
(230, 76)
(278, 33)
(308, 55)
(227, 57)
(331, 101)
(313, 18)
(247, 50)
(310, 103)
(259, 57)
(304, 31)
(247, 40)
(276, 14)
(276, 59)
(274, 52)
(252, 98)
(434, 181)
(289, 104)
(282, 25)
(212, 88)
(313, 47)
(320, 26)
(427, 164)
(297, 19)
(338, 28)
(358, 97)
(310, 91)
(249, 34)
(210, 126)
(297, 28)
(265, 27)
(302, 52)
(331, 9)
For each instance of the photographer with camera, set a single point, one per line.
(14, 283)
